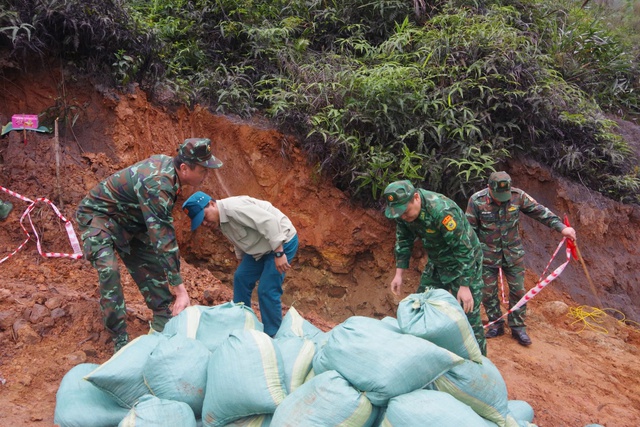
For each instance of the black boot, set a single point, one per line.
(494, 331)
(520, 335)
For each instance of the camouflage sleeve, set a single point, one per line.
(464, 247)
(156, 201)
(540, 213)
(404, 244)
(472, 215)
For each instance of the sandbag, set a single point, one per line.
(212, 325)
(177, 370)
(310, 375)
(436, 315)
(121, 376)
(216, 323)
(186, 323)
(293, 324)
(80, 404)
(392, 322)
(253, 421)
(297, 356)
(327, 400)
(481, 386)
(521, 410)
(374, 358)
(377, 415)
(521, 423)
(422, 408)
(245, 377)
(151, 411)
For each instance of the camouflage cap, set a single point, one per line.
(198, 151)
(194, 208)
(500, 185)
(398, 194)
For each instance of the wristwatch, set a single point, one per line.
(279, 254)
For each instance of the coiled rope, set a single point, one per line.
(592, 318)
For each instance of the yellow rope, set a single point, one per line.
(592, 317)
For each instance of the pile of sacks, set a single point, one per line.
(215, 367)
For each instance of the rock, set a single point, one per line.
(25, 333)
(26, 380)
(39, 298)
(38, 312)
(19, 323)
(91, 352)
(336, 292)
(53, 302)
(57, 313)
(554, 309)
(216, 295)
(46, 323)
(77, 357)
(6, 320)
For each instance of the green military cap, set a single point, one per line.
(398, 194)
(500, 185)
(198, 151)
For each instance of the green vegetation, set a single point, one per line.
(440, 93)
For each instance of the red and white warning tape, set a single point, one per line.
(73, 239)
(541, 284)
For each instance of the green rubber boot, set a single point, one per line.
(5, 209)
(120, 341)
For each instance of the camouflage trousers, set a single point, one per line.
(514, 276)
(141, 262)
(430, 278)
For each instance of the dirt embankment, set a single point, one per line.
(49, 316)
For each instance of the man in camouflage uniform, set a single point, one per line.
(494, 214)
(5, 210)
(129, 213)
(454, 252)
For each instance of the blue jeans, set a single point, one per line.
(264, 270)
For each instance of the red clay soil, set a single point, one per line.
(574, 374)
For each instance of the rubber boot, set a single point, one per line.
(5, 210)
(120, 341)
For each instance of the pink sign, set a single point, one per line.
(24, 121)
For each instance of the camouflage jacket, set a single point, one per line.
(137, 202)
(452, 246)
(498, 226)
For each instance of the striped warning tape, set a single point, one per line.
(541, 284)
(73, 239)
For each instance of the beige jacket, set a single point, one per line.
(254, 226)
